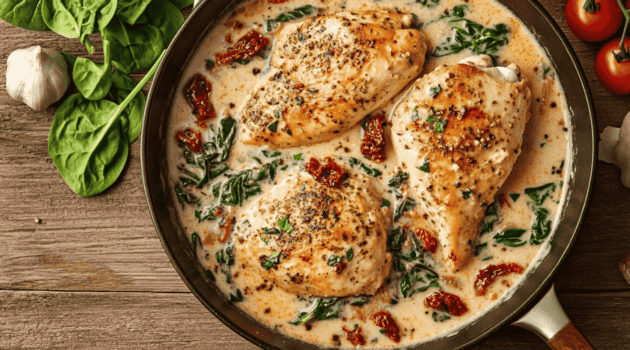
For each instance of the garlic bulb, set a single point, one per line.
(622, 151)
(37, 77)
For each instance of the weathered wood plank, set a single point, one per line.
(35, 320)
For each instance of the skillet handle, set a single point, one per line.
(548, 320)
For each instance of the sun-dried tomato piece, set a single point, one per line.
(385, 320)
(429, 243)
(446, 302)
(486, 276)
(246, 47)
(198, 95)
(354, 336)
(330, 174)
(339, 267)
(227, 229)
(277, 1)
(191, 138)
(373, 144)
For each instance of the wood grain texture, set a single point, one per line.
(93, 273)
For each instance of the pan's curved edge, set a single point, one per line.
(519, 310)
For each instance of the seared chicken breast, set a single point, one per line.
(327, 73)
(458, 133)
(313, 240)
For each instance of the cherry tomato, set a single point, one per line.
(599, 22)
(614, 76)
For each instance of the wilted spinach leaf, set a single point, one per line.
(318, 309)
(405, 205)
(511, 237)
(370, 171)
(297, 13)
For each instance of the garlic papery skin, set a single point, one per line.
(622, 151)
(37, 77)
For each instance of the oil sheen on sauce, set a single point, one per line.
(546, 153)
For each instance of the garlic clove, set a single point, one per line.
(37, 77)
(607, 141)
(622, 151)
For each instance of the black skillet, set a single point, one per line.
(543, 318)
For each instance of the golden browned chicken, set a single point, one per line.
(327, 73)
(313, 240)
(458, 133)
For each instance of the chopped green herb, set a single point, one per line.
(440, 125)
(257, 159)
(264, 240)
(273, 126)
(480, 248)
(458, 11)
(349, 255)
(272, 231)
(370, 171)
(385, 203)
(284, 225)
(313, 91)
(542, 145)
(242, 61)
(405, 205)
(297, 156)
(236, 297)
(333, 259)
(425, 166)
(539, 194)
(415, 115)
(398, 180)
(511, 237)
(299, 100)
(428, 3)
(440, 317)
(435, 91)
(210, 64)
(269, 154)
(514, 196)
(270, 261)
(466, 193)
(278, 114)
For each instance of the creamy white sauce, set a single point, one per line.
(548, 125)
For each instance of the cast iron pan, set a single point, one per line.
(178, 249)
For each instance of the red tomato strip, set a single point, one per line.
(385, 320)
(429, 243)
(244, 48)
(191, 138)
(330, 174)
(354, 336)
(447, 302)
(486, 276)
(277, 1)
(198, 95)
(373, 144)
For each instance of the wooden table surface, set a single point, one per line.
(93, 274)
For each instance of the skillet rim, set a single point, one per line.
(191, 279)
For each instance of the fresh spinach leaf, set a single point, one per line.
(93, 80)
(181, 4)
(116, 29)
(69, 58)
(511, 237)
(87, 143)
(130, 10)
(297, 13)
(318, 309)
(74, 19)
(473, 36)
(122, 85)
(146, 43)
(166, 17)
(25, 14)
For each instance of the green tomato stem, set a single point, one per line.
(624, 54)
(591, 6)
